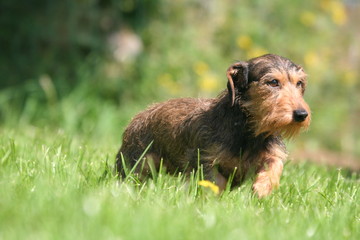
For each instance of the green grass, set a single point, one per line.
(57, 186)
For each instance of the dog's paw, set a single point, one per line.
(262, 186)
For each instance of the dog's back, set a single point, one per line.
(166, 130)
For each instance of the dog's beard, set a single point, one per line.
(276, 123)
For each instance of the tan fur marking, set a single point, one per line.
(269, 171)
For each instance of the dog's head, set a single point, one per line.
(270, 88)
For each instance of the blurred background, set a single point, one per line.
(87, 66)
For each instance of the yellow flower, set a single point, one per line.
(336, 9)
(338, 13)
(325, 4)
(311, 59)
(256, 52)
(201, 68)
(208, 184)
(166, 81)
(307, 18)
(244, 42)
(350, 78)
(208, 83)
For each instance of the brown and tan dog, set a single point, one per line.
(239, 131)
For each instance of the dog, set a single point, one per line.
(237, 133)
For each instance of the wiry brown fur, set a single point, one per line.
(239, 131)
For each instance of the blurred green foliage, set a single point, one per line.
(88, 65)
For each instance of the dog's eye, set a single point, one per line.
(300, 84)
(273, 83)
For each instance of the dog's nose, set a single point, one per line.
(300, 115)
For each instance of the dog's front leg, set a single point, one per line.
(269, 171)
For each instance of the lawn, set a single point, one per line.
(67, 91)
(54, 185)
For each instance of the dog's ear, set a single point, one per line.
(237, 75)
